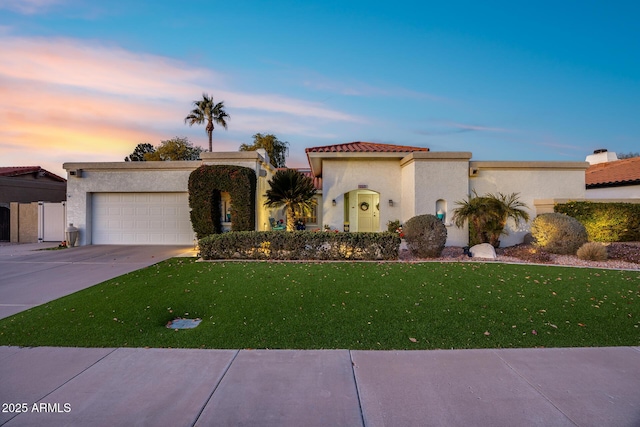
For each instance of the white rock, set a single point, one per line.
(483, 250)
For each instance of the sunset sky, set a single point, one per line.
(88, 81)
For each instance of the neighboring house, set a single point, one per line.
(25, 185)
(362, 186)
(610, 178)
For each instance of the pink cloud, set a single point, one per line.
(71, 99)
(29, 7)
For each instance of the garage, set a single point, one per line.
(141, 219)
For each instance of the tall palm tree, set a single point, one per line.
(207, 110)
(291, 189)
(488, 215)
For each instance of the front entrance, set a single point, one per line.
(362, 210)
(368, 215)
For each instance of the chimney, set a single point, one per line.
(601, 155)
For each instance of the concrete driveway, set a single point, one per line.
(30, 276)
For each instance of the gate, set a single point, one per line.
(51, 221)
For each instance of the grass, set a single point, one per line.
(342, 305)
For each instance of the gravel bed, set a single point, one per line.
(627, 251)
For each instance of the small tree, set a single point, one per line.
(139, 152)
(276, 149)
(293, 190)
(488, 216)
(174, 149)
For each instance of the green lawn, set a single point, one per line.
(342, 305)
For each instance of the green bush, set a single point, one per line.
(593, 251)
(205, 185)
(393, 226)
(425, 235)
(558, 233)
(606, 222)
(300, 245)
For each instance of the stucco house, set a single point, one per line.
(361, 186)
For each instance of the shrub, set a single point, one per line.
(488, 215)
(558, 233)
(392, 226)
(592, 251)
(205, 184)
(606, 222)
(425, 235)
(295, 245)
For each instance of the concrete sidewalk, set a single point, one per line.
(164, 387)
(31, 276)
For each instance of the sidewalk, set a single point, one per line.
(178, 387)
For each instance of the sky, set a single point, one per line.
(86, 81)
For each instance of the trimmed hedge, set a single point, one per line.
(205, 185)
(300, 245)
(605, 222)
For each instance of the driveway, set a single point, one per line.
(30, 276)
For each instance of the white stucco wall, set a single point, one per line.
(124, 177)
(624, 192)
(438, 176)
(134, 177)
(532, 180)
(344, 175)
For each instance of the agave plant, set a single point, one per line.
(488, 215)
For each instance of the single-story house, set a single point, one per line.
(21, 188)
(361, 186)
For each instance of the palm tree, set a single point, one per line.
(291, 189)
(488, 216)
(207, 110)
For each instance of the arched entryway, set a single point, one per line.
(362, 210)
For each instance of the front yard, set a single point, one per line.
(355, 305)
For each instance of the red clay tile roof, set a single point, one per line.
(364, 147)
(25, 170)
(613, 174)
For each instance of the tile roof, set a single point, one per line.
(613, 174)
(364, 147)
(25, 170)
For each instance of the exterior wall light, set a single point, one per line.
(333, 202)
(390, 202)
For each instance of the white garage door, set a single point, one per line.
(141, 219)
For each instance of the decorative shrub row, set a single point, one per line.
(205, 185)
(606, 222)
(300, 245)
